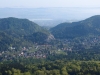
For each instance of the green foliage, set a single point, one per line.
(62, 68)
(17, 26)
(38, 37)
(5, 40)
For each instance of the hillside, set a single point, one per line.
(90, 26)
(13, 32)
(19, 26)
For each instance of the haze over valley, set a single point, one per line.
(51, 16)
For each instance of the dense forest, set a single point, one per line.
(44, 67)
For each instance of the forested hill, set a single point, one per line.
(19, 26)
(19, 32)
(90, 26)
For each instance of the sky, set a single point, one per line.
(48, 3)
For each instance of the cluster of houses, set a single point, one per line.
(42, 51)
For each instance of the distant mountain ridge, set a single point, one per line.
(89, 26)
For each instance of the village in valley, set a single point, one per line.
(50, 49)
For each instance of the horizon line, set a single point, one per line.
(49, 7)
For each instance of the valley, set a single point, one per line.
(66, 49)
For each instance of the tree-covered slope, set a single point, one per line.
(13, 32)
(19, 26)
(90, 26)
(5, 41)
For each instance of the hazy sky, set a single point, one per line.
(49, 3)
